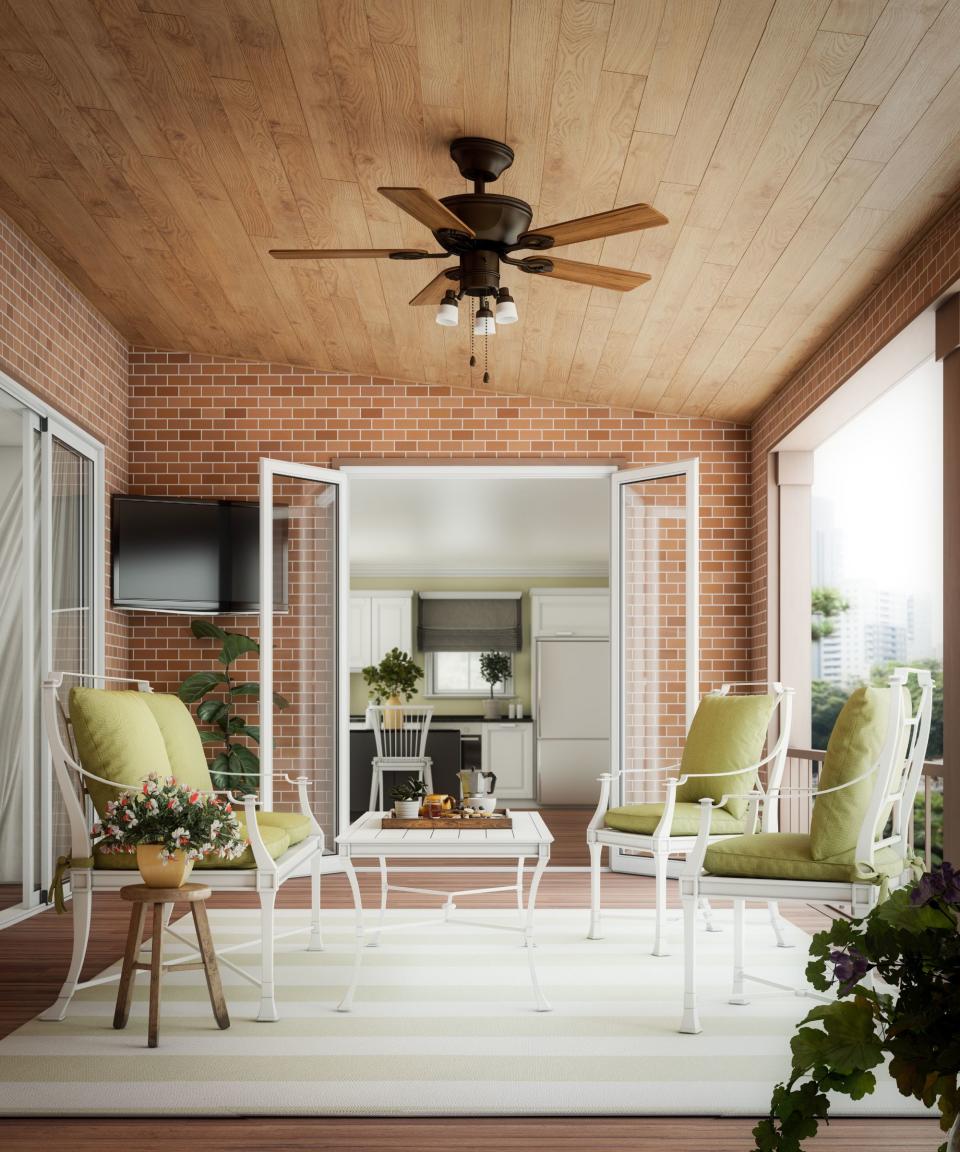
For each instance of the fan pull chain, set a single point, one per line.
(473, 359)
(486, 374)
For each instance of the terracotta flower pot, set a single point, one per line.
(159, 873)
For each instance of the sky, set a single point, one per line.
(883, 475)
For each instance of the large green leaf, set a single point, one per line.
(199, 684)
(211, 737)
(848, 1043)
(898, 912)
(253, 690)
(204, 630)
(243, 760)
(236, 645)
(211, 711)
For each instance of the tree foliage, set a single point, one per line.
(825, 604)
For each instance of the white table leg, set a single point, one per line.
(543, 1005)
(384, 890)
(347, 1002)
(521, 860)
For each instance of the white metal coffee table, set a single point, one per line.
(372, 837)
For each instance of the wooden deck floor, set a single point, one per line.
(33, 961)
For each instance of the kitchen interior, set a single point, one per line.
(435, 557)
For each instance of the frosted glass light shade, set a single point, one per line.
(483, 324)
(448, 315)
(507, 312)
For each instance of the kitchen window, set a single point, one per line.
(458, 674)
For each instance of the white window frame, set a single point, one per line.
(503, 691)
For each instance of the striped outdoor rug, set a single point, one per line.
(443, 1023)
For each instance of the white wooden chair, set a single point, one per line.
(878, 862)
(265, 876)
(662, 841)
(400, 732)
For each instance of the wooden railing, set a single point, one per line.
(802, 769)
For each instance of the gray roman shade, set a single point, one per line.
(459, 623)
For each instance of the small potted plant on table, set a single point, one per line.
(495, 668)
(406, 797)
(396, 675)
(169, 827)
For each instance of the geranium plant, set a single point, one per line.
(199, 824)
(911, 944)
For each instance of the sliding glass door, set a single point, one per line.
(654, 595)
(304, 592)
(50, 619)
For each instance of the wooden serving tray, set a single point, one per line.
(481, 823)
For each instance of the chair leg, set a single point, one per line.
(82, 901)
(737, 996)
(690, 1021)
(777, 924)
(708, 915)
(375, 777)
(316, 939)
(268, 1004)
(660, 858)
(428, 777)
(595, 933)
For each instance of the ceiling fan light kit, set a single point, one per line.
(482, 230)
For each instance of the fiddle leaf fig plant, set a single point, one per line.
(235, 765)
(395, 675)
(911, 942)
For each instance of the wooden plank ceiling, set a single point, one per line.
(157, 150)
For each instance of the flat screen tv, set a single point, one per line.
(193, 556)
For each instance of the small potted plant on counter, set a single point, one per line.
(495, 668)
(406, 797)
(396, 675)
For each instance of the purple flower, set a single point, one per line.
(849, 968)
(942, 883)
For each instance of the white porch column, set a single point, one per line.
(948, 352)
(793, 473)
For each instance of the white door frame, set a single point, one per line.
(690, 470)
(269, 470)
(43, 418)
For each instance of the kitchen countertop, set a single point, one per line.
(457, 718)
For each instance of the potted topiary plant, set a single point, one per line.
(169, 827)
(406, 797)
(396, 675)
(495, 668)
(910, 941)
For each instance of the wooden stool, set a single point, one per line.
(140, 895)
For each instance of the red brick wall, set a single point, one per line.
(56, 344)
(199, 424)
(930, 268)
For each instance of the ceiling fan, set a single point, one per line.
(481, 230)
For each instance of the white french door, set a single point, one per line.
(654, 627)
(51, 619)
(304, 599)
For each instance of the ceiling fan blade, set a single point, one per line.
(418, 203)
(434, 292)
(618, 279)
(629, 219)
(349, 253)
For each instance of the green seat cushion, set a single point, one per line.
(181, 739)
(644, 818)
(727, 733)
(117, 738)
(276, 840)
(789, 856)
(853, 749)
(295, 824)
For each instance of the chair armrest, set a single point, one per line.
(603, 803)
(815, 792)
(262, 858)
(301, 783)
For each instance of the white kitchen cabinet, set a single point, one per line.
(377, 622)
(570, 612)
(506, 749)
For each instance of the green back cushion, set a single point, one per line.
(854, 747)
(181, 738)
(727, 733)
(117, 738)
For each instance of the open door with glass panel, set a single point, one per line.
(654, 598)
(304, 594)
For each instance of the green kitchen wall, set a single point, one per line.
(467, 705)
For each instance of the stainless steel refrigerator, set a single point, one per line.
(573, 719)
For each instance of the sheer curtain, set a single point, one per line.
(11, 664)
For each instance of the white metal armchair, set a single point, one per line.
(400, 732)
(858, 842)
(726, 739)
(280, 843)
